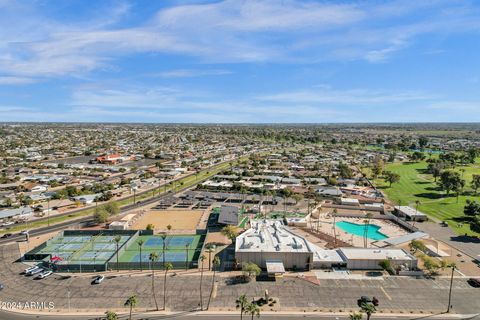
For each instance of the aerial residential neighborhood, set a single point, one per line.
(239, 159)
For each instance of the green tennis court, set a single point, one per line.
(176, 248)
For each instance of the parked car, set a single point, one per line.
(474, 282)
(98, 279)
(24, 232)
(2, 287)
(7, 235)
(44, 274)
(30, 269)
(35, 271)
(364, 300)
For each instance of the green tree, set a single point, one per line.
(230, 232)
(140, 243)
(368, 309)
(250, 269)
(150, 227)
(168, 266)
(355, 316)
(385, 265)
(202, 259)
(252, 309)
(110, 315)
(416, 245)
(391, 177)
(216, 264)
(131, 303)
(449, 180)
(241, 304)
(475, 182)
(101, 215)
(472, 208)
(153, 257)
(117, 241)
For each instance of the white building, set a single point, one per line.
(370, 258)
(410, 214)
(270, 244)
(270, 241)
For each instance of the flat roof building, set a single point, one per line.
(370, 258)
(410, 214)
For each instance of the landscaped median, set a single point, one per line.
(179, 184)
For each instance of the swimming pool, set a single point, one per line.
(359, 230)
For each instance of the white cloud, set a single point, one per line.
(12, 80)
(189, 73)
(229, 31)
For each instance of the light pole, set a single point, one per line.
(453, 266)
(48, 211)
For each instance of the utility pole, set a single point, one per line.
(450, 291)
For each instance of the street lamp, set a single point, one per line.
(453, 266)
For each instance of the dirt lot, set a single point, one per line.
(178, 219)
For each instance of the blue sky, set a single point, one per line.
(251, 61)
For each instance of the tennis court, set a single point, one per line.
(85, 249)
(176, 248)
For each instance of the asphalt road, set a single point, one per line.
(194, 316)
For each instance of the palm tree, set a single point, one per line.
(117, 240)
(110, 315)
(253, 309)
(368, 216)
(355, 316)
(241, 304)
(164, 244)
(131, 303)
(202, 259)
(140, 243)
(210, 249)
(168, 266)
(216, 263)
(368, 308)
(153, 258)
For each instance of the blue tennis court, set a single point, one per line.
(154, 242)
(179, 241)
(169, 257)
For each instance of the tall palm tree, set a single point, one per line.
(216, 263)
(117, 240)
(202, 259)
(253, 309)
(241, 304)
(140, 243)
(131, 303)
(368, 216)
(168, 266)
(164, 244)
(153, 258)
(210, 249)
(368, 309)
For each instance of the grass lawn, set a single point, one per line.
(415, 184)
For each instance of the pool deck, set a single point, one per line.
(387, 227)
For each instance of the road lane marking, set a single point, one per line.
(386, 294)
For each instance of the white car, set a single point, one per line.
(99, 279)
(44, 274)
(30, 269)
(24, 232)
(35, 271)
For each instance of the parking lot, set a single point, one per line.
(76, 291)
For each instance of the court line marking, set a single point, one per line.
(386, 294)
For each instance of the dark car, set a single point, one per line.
(7, 235)
(474, 282)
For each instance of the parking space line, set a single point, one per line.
(386, 294)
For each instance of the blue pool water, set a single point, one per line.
(359, 230)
